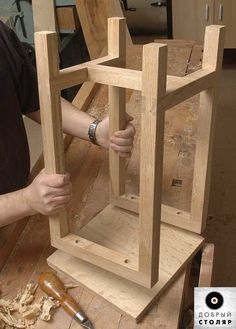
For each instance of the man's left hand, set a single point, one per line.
(121, 141)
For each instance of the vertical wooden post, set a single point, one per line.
(44, 15)
(207, 264)
(50, 109)
(152, 144)
(117, 103)
(212, 59)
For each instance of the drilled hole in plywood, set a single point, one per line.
(179, 213)
(126, 261)
(76, 241)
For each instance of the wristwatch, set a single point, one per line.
(92, 131)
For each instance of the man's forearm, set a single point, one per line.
(13, 207)
(74, 122)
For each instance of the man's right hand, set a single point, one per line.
(48, 194)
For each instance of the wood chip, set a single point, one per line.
(48, 307)
(22, 313)
(70, 285)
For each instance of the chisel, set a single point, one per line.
(53, 287)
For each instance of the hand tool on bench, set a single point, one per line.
(54, 287)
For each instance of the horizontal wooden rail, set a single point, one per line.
(84, 245)
(77, 74)
(114, 76)
(181, 88)
(108, 259)
(67, 79)
(178, 88)
(169, 215)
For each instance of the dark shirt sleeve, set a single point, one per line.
(28, 78)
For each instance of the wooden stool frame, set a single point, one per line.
(159, 92)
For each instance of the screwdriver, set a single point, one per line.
(53, 286)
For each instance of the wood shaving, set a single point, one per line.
(70, 285)
(48, 305)
(22, 313)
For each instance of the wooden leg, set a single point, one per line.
(152, 143)
(117, 104)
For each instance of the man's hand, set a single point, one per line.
(121, 141)
(48, 194)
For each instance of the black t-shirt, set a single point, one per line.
(18, 95)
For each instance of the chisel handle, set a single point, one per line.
(53, 287)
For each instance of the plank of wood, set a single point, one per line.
(117, 104)
(48, 68)
(151, 152)
(44, 15)
(98, 311)
(93, 17)
(67, 18)
(212, 58)
(125, 295)
(207, 263)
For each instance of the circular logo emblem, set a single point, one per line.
(214, 300)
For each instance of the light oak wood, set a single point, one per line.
(177, 90)
(207, 263)
(44, 15)
(111, 241)
(180, 89)
(48, 69)
(93, 18)
(144, 268)
(152, 137)
(115, 76)
(98, 310)
(212, 58)
(78, 74)
(128, 297)
(169, 215)
(117, 103)
(52, 132)
(67, 18)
